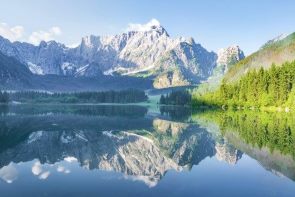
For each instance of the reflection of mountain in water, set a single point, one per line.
(188, 144)
(128, 140)
(226, 152)
(124, 152)
(141, 147)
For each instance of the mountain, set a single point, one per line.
(277, 50)
(147, 53)
(226, 58)
(13, 73)
(17, 76)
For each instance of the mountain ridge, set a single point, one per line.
(148, 52)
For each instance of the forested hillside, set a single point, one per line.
(278, 51)
(258, 88)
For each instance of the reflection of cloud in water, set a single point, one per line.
(62, 169)
(146, 180)
(44, 175)
(38, 171)
(36, 168)
(70, 159)
(8, 173)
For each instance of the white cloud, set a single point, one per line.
(73, 45)
(56, 31)
(11, 33)
(143, 27)
(37, 36)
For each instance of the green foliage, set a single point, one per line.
(262, 88)
(176, 98)
(275, 131)
(124, 96)
(273, 52)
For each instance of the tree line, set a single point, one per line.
(4, 97)
(180, 97)
(124, 96)
(258, 88)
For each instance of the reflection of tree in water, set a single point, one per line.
(275, 131)
(15, 129)
(176, 113)
(144, 147)
(4, 109)
(87, 110)
(267, 137)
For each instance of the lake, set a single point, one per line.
(125, 150)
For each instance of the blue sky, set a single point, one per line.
(214, 24)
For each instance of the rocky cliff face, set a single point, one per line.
(226, 58)
(146, 53)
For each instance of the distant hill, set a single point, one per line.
(17, 76)
(13, 73)
(278, 51)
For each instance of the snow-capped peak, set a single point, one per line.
(231, 54)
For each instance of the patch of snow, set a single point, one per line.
(108, 133)
(140, 70)
(81, 136)
(109, 72)
(35, 69)
(66, 139)
(139, 136)
(67, 67)
(81, 70)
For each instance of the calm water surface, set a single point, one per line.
(144, 151)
